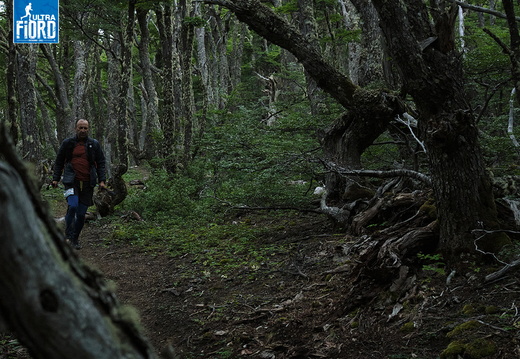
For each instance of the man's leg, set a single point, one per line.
(70, 217)
(78, 224)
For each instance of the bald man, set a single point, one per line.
(81, 161)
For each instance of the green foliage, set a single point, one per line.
(484, 57)
(172, 197)
(379, 157)
(498, 149)
(343, 36)
(432, 262)
(288, 7)
(250, 162)
(194, 21)
(220, 247)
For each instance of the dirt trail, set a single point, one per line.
(141, 280)
(304, 309)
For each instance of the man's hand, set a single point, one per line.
(102, 185)
(54, 184)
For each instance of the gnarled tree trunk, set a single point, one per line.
(433, 75)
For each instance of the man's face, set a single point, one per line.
(82, 129)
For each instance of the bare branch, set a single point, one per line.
(483, 9)
(379, 174)
(512, 118)
(495, 275)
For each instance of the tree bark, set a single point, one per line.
(113, 80)
(168, 116)
(59, 94)
(81, 83)
(26, 78)
(368, 60)
(514, 51)
(12, 100)
(308, 28)
(125, 84)
(151, 99)
(223, 76)
(187, 34)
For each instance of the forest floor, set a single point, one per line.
(305, 303)
(303, 307)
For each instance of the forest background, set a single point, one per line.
(224, 117)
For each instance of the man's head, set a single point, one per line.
(82, 129)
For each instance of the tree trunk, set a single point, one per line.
(168, 116)
(12, 104)
(26, 77)
(514, 51)
(366, 57)
(64, 119)
(187, 34)
(113, 81)
(433, 76)
(48, 135)
(98, 95)
(222, 76)
(124, 87)
(308, 28)
(79, 108)
(151, 100)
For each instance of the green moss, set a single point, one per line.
(407, 327)
(476, 349)
(453, 350)
(491, 309)
(464, 327)
(429, 209)
(471, 309)
(468, 309)
(480, 348)
(494, 242)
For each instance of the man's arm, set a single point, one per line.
(59, 164)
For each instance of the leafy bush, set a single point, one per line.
(169, 197)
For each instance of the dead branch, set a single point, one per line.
(498, 274)
(362, 219)
(483, 9)
(331, 166)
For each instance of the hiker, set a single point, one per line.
(82, 162)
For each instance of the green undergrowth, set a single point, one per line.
(220, 247)
(200, 214)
